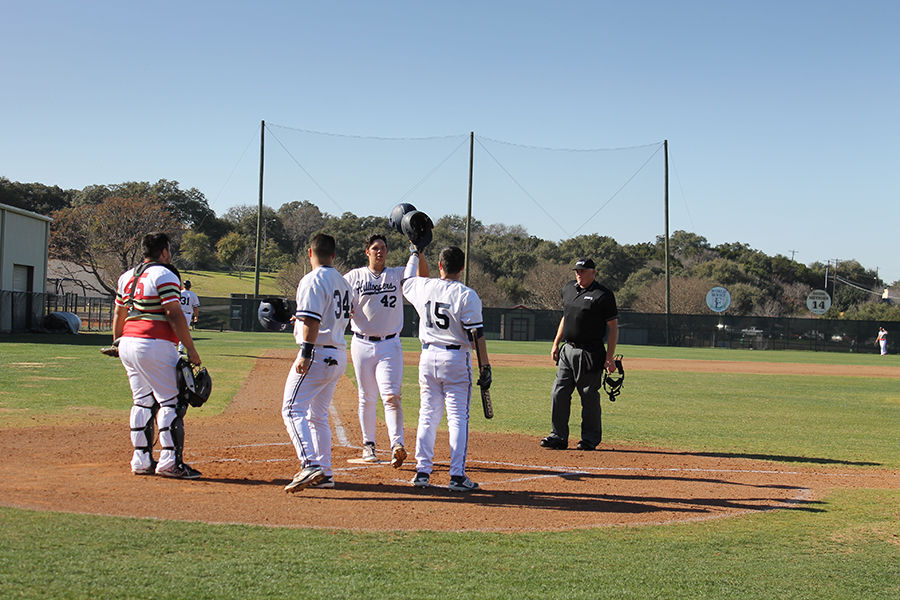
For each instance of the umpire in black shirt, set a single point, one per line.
(589, 315)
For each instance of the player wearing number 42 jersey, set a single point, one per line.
(375, 347)
(323, 311)
(449, 313)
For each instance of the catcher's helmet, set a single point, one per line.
(397, 215)
(273, 314)
(417, 226)
(194, 383)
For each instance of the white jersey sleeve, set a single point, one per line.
(324, 296)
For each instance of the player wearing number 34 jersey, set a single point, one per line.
(449, 312)
(375, 347)
(323, 311)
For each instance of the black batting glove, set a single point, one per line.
(485, 378)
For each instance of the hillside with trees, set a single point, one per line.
(98, 230)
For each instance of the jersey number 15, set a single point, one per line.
(441, 318)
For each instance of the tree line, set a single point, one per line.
(97, 230)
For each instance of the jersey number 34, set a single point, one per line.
(341, 305)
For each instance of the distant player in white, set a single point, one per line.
(190, 303)
(323, 311)
(190, 306)
(448, 313)
(882, 340)
(375, 348)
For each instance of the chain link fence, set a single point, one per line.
(706, 331)
(25, 311)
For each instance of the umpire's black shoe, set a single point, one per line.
(583, 445)
(554, 443)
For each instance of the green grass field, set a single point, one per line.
(220, 284)
(847, 548)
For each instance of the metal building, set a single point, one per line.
(24, 241)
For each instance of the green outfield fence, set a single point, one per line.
(24, 311)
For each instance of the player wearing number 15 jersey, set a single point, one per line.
(375, 348)
(323, 311)
(448, 311)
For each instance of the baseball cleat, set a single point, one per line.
(181, 471)
(554, 443)
(421, 480)
(398, 455)
(461, 483)
(583, 445)
(368, 453)
(326, 482)
(151, 470)
(305, 478)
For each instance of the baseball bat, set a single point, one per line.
(485, 393)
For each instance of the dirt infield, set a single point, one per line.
(246, 459)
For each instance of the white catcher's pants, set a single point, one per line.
(305, 405)
(379, 370)
(445, 380)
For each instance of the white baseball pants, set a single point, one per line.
(305, 405)
(379, 371)
(445, 381)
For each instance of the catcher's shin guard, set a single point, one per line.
(171, 432)
(142, 423)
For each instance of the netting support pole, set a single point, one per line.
(666, 203)
(469, 211)
(259, 212)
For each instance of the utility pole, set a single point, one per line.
(469, 211)
(666, 203)
(793, 252)
(262, 146)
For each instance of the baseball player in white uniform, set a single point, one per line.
(448, 313)
(323, 310)
(190, 303)
(375, 347)
(148, 322)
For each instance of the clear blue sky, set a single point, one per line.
(782, 117)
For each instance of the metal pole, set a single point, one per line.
(668, 280)
(469, 212)
(262, 147)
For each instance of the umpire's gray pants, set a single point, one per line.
(581, 370)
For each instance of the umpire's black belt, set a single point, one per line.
(588, 348)
(374, 338)
(450, 347)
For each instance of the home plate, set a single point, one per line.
(359, 461)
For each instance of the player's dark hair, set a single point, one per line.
(452, 259)
(153, 244)
(322, 245)
(374, 238)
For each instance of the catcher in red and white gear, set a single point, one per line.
(148, 323)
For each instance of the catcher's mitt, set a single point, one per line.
(111, 350)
